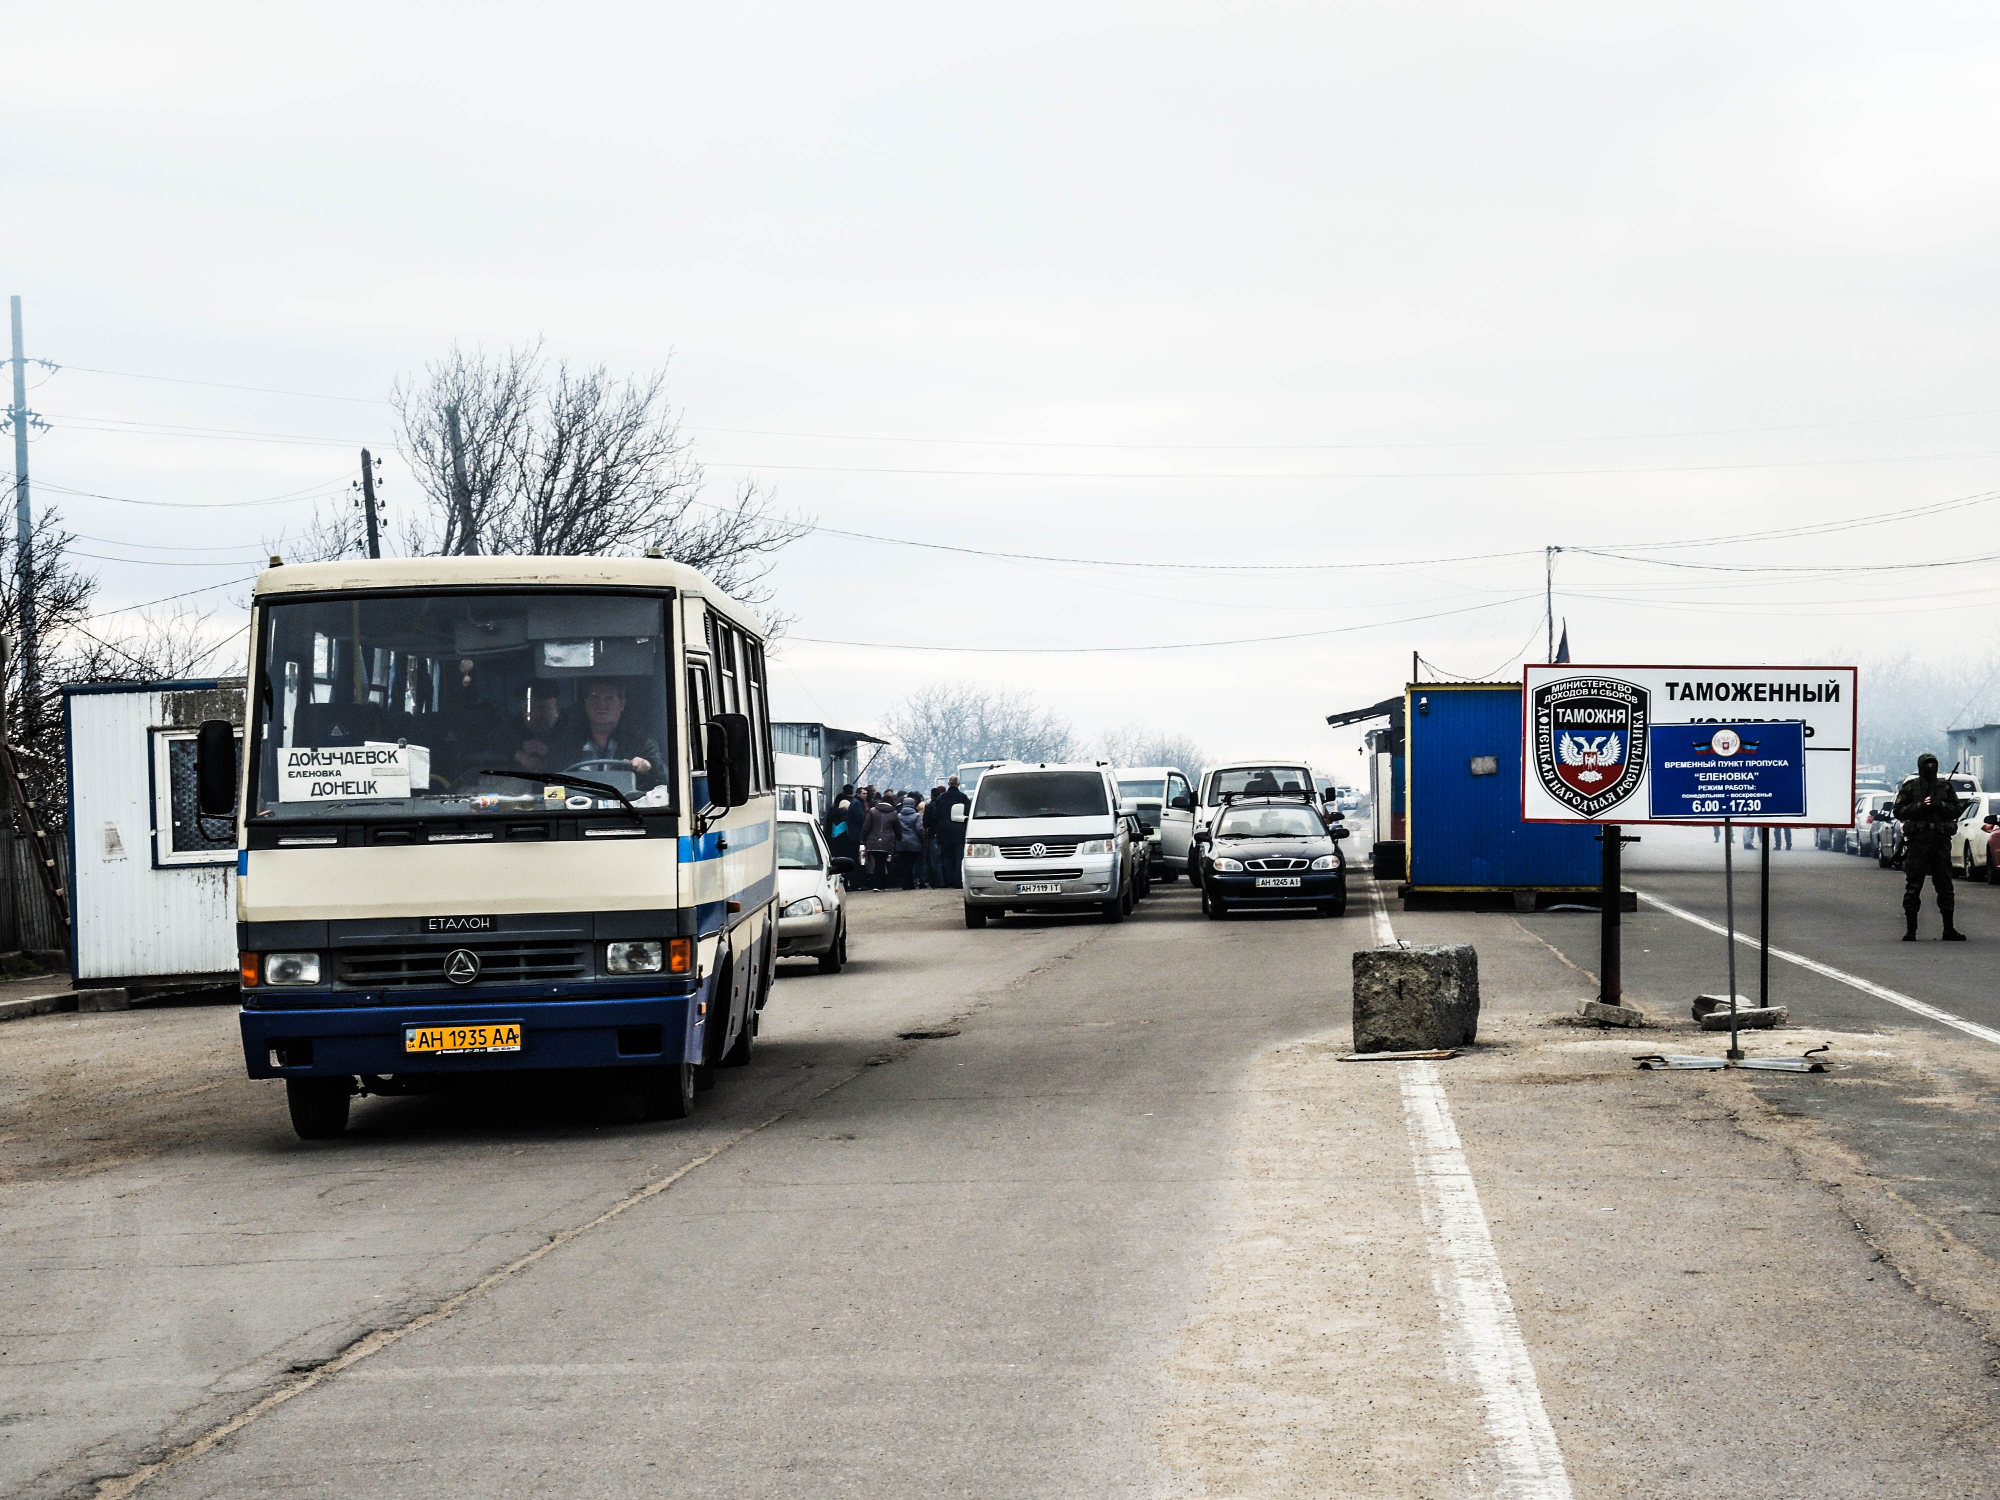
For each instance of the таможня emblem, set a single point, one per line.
(1590, 742)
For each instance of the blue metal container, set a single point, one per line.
(1463, 818)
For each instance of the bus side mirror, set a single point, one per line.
(1183, 803)
(727, 748)
(215, 768)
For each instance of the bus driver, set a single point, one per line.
(604, 707)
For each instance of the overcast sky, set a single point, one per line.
(1335, 296)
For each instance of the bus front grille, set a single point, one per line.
(499, 963)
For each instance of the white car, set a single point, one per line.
(812, 905)
(1873, 813)
(1164, 800)
(1968, 840)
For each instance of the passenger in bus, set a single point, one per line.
(544, 713)
(610, 739)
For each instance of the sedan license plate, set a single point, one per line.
(1277, 882)
(1045, 888)
(456, 1041)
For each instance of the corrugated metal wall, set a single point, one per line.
(1466, 829)
(133, 920)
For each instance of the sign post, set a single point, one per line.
(1759, 747)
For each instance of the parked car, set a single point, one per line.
(1876, 809)
(812, 905)
(1047, 838)
(1164, 799)
(1968, 840)
(1974, 804)
(1272, 851)
(1140, 844)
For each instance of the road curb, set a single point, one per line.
(92, 1000)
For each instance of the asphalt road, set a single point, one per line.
(1935, 1131)
(1133, 1230)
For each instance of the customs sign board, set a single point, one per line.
(1648, 744)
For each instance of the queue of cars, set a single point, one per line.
(1091, 839)
(1088, 838)
(1876, 832)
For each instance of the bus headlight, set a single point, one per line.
(1094, 846)
(291, 968)
(632, 958)
(982, 851)
(806, 906)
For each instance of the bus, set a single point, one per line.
(498, 814)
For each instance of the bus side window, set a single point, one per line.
(698, 715)
(760, 713)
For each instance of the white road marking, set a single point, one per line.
(1472, 1293)
(1471, 1288)
(1384, 933)
(1840, 976)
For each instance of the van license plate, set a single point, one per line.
(1046, 888)
(456, 1041)
(1277, 882)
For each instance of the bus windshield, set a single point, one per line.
(410, 704)
(1132, 791)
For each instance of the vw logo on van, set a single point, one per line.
(1038, 851)
(461, 966)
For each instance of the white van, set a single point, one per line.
(1252, 778)
(1046, 838)
(1164, 800)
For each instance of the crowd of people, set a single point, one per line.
(909, 840)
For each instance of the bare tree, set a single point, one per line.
(330, 534)
(566, 461)
(944, 725)
(1138, 745)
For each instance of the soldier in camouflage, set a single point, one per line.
(1928, 809)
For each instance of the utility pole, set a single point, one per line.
(24, 556)
(368, 503)
(468, 540)
(1549, 595)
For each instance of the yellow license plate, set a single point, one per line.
(453, 1041)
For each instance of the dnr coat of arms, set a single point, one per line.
(1590, 742)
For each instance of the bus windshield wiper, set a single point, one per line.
(549, 778)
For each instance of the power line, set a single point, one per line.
(1255, 640)
(856, 437)
(159, 562)
(223, 385)
(320, 491)
(1300, 474)
(1872, 567)
(206, 588)
(81, 422)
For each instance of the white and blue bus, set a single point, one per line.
(498, 813)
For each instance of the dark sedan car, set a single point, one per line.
(1272, 851)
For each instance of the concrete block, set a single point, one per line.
(1703, 1004)
(1417, 998)
(1610, 1015)
(1756, 1018)
(97, 1000)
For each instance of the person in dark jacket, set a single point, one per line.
(1928, 809)
(952, 807)
(933, 842)
(878, 838)
(843, 827)
(909, 842)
